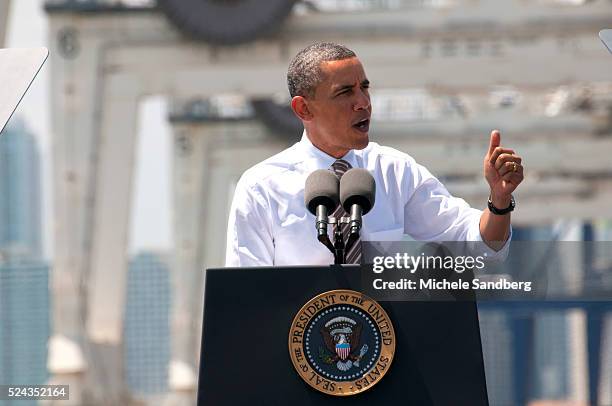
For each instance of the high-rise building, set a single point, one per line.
(497, 347)
(147, 325)
(20, 193)
(552, 356)
(24, 277)
(551, 363)
(24, 321)
(544, 337)
(603, 263)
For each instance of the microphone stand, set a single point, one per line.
(338, 242)
(339, 247)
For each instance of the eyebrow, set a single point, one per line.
(365, 82)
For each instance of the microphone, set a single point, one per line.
(321, 199)
(357, 194)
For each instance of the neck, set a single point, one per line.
(334, 152)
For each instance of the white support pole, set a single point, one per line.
(74, 107)
(113, 187)
(112, 209)
(190, 196)
(94, 128)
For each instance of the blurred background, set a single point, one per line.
(118, 167)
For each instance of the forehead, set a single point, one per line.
(343, 72)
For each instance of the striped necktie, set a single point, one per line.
(353, 255)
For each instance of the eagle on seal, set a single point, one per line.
(341, 336)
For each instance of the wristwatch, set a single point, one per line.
(501, 212)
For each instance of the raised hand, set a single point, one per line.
(503, 171)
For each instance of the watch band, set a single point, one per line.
(501, 212)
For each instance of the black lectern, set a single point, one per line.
(245, 360)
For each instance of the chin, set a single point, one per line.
(361, 145)
(362, 142)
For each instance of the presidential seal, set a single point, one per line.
(341, 342)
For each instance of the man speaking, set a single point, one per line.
(269, 223)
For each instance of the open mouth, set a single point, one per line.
(362, 125)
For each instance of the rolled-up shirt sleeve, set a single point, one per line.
(249, 236)
(433, 214)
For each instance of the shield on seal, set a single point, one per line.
(343, 350)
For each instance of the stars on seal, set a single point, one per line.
(340, 322)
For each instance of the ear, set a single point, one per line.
(299, 105)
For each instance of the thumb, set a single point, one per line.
(495, 141)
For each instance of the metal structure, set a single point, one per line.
(105, 57)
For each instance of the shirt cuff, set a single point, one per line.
(480, 247)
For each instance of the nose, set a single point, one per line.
(363, 100)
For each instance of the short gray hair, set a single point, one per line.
(304, 73)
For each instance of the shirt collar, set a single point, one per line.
(323, 159)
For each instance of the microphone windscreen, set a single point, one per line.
(321, 188)
(357, 186)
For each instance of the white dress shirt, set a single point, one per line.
(269, 223)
